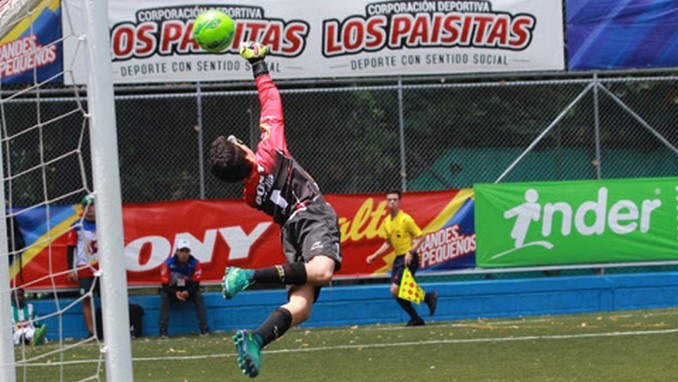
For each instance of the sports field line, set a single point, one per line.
(514, 322)
(382, 345)
(491, 322)
(442, 325)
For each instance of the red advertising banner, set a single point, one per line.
(228, 232)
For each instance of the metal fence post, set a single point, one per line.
(596, 126)
(201, 140)
(401, 124)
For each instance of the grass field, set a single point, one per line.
(620, 346)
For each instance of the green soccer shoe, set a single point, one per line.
(248, 345)
(236, 280)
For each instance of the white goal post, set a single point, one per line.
(101, 119)
(106, 177)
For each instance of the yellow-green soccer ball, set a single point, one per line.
(213, 30)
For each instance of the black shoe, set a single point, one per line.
(205, 333)
(432, 302)
(415, 322)
(163, 335)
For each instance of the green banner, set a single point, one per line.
(549, 223)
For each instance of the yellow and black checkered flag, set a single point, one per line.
(409, 289)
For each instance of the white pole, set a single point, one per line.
(106, 177)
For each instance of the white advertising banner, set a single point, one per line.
(152, 42)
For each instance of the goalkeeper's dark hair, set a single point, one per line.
(227, 161)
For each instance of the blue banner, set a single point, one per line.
(621, 34)
(43, 231)
(32, 51)
(452, 246)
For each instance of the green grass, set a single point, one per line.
(620, 346)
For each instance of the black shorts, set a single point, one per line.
(399, 267)
(312, 231)
(85, 284)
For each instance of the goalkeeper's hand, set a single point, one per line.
(253, 52)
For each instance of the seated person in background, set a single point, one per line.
(26, 329)
(180, 276)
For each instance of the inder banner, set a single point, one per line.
(623, 220)
(152, 41)
(228, 232)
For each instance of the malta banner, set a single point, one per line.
(622, 34)
(622, 220)
(30, 51)
(228, 232)
(152, 41)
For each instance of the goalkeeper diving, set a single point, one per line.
(277, 185)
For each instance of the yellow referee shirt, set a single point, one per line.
(400, 231)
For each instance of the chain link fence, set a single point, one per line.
(359, 139)
(365, 138)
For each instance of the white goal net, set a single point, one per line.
(58, 144)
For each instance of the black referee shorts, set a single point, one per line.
(399, 267)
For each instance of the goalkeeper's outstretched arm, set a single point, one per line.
(271, 124)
